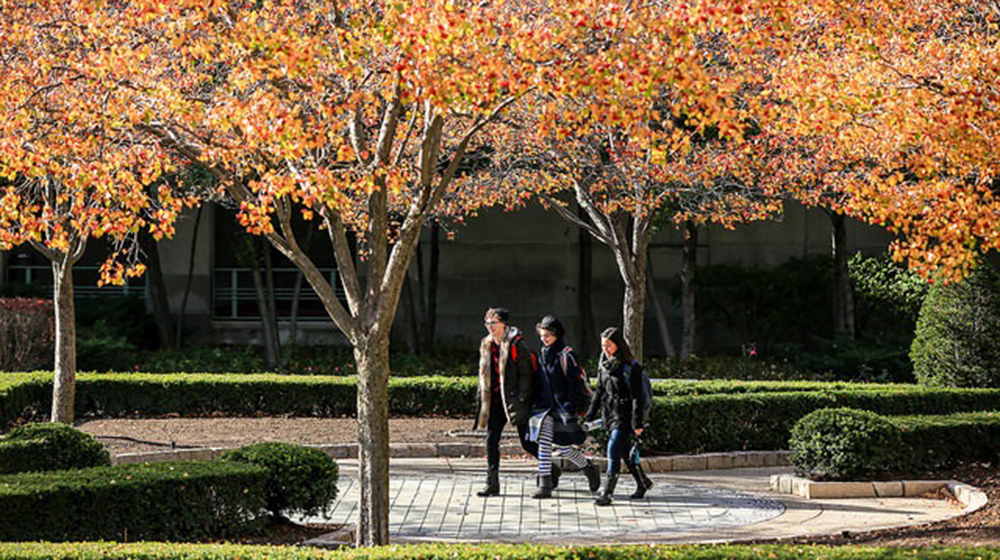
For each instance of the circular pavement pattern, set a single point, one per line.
(445, 507)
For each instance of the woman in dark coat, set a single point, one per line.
(555, 420)
(619, 400)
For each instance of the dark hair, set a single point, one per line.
(624, 352)
(551, 324)
(500, 313)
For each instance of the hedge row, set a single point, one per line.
(157, 551)
(739, 415)
(941, 441)
(693, 424)
(161, 501)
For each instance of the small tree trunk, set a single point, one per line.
(634, 311)
(372, 357)
(64, 381)
(411, 315)
(430, 309)
(661, 316)
(843, 295)
(179, 337)
(688, 289)
(588, 336)
(157, 291)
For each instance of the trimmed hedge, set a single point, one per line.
(694, 424)
(941, 441)
(736, 415)
(157, 551)
(160, 501)
(50, 447)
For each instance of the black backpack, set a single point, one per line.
(584, 394)
(647, 392)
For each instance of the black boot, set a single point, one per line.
(642, 482)
(610, 481)
(492, 487)
(593, 475)
(556, 473)
(544, 488)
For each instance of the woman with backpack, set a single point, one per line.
(560, 398)
(619, 399)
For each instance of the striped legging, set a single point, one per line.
(545, 435)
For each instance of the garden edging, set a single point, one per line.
(971, 497)
(664, 463)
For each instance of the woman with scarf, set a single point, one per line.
(619, 400)
(555, 421)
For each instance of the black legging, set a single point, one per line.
(494, 428)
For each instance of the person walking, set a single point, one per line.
(506, 390)
(618, 399)
(555, 421)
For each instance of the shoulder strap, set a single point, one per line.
(564, 359)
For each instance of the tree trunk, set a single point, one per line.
(588, 336)
(843, 295)
(410, 314)
(690, 253)
(430, 309)
(661, 316)
(64, 381)
(634, 311)
(372, 357)
(179, 337)
(157, 291)
(293, 325)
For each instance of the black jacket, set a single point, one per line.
(618, 396)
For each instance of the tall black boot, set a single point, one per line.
(492, 487)
(556, 473)
(544, 488)
(642, 482)
(593, 475)
(610, 481)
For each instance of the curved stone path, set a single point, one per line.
(433, 500)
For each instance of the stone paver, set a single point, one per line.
(434, 500)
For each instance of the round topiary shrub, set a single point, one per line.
(50, 447)
(843, 443)
(957, 341)
(302, 479)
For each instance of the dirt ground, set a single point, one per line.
(152, 434)
(981, 528)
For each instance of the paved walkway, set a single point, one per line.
(434, 500)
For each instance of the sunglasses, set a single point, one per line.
(489, 324)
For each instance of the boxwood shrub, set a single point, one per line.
(844, 444)
(943, 441)
(732, 422)
(50, 447)
(160, 501)
(301, 479)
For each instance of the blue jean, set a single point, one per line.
(618, 446)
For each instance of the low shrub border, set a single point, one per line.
(749, 416)
(162, 501)
(699, 423)
(156, 551)
(942, 441)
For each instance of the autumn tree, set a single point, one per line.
(356, 117)
(655, 145)
(74, 169)
(903, 96)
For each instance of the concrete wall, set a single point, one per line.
(528, 262)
